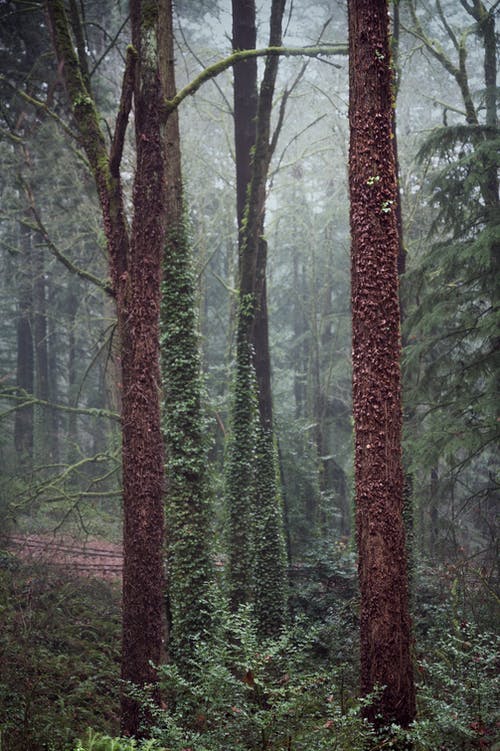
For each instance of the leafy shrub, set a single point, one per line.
(458, 691)
(100, 742)
(250, 696)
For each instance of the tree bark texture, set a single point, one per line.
(135, 268)
(385, 621)
(241, 454)
(253, 240)
(143, 455)
(245, 100)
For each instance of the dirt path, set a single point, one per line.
(94, 557)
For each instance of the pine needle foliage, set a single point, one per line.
(452, 331)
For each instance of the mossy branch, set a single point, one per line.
(213, 70)
(25, 399)
(39, 104)
(459, 72)
(38, 226)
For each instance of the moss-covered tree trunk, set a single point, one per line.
(385, 621)
(257, 560)
(241, 453)
(190, 568)
(135, 267)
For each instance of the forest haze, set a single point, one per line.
(249, 375)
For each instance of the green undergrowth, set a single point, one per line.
(59, 652)
(59, 644)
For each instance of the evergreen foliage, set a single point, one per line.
(452, 330)
(452, 287)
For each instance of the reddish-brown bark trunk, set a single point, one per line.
(135, 268)
(143, 474)
(385, 621)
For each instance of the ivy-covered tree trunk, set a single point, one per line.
(190, 569)
(256, 523)
(385, 621)
(135, 270)
(241, 452)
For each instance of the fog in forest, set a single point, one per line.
(62, 390)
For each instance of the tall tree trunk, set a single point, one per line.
(23, 425)
(41, 438)
(52, 337)
(433, 512)
(385, 620)
(241, 452)
(252, 470)
(71, 310)
(245, 101)
(143, 455)
(135, 270)
(299, 333)
(190, 570)
(408, 510)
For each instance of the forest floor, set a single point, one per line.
(94, 557)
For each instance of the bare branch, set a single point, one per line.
(200, 62)
(446, 25)
(110, 45)
(288, 92)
